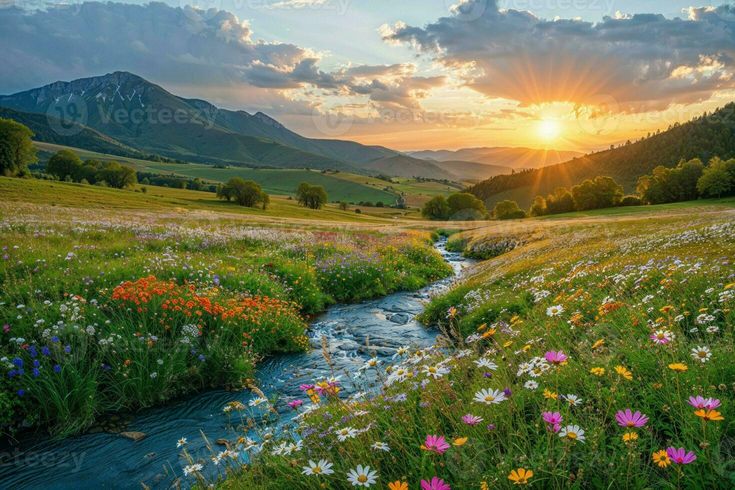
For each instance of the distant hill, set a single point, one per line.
(472, 171)
(704, 137)
(406, 166)
(144, 116)
(516, 158)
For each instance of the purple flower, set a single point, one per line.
(470, 419)
(680, 455)
(490, 427)
(553, 420)
(216, 280)
(629, 419)
(488, 375)
(555, 357)
(706, 403)
(508, 392)
(6, 328)
(435, 484)
(295, 404)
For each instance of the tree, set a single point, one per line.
(116, 175)
(465, 206)
(244, 192)
(715, 180)
(538, 208)
(64, 163)
(16, 148)
(600, 192)
(436, 208)
(508, 210)
(561, 201)
(311, 196)
(343, 206)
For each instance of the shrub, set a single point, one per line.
(508, 210)
(631, 200)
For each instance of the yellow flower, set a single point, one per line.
(599, 343)
(483, 486)
(398, 485)
(623, 371)
(520, 476)
(550, 395)
(679, 367)
(482, 327)
(666, 309)
(630, 437)
(489, 333)
(598, 371)
(460, 441)
(709, 415)
(661, 459)
(508, 344)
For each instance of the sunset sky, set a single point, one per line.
(408, 74)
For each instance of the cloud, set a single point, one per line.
(642, 62)
(211, 49)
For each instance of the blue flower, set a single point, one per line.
(67, 349)
(54, 339)
(32, 351)
(106, 367)
(21, 371)
(202, 358)
(36, 372)
(21, 392)
(18, 362)
(45, 351)
(57, 368)
(36, 363)
(12, 373)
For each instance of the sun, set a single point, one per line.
(548, 129)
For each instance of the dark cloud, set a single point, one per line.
(642, 61)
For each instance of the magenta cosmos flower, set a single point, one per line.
(680, 455)
(435, 484)
(435, 444)
(629, 419)
(553, 420)
(295, 404)
(470, 419)
(706, 403)
(555, 357)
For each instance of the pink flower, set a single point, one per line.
(6, 328)
(435, 484)
(706, 403)
(680, 455)
(470, 419)
(555, 357)
(295, 404)
(435, 444)
(306, 387)
(553, 420)
(629, 419)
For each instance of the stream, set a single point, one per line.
(355, 333)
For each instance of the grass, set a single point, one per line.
(117, 300)
(163, 198)
(603, 289)
(274, 181)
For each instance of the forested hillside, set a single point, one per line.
(704, 137)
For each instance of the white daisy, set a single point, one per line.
(572, 432)
(193, 468)
(181, 442)
(530, 385)
(362, 476)
(486, 363)
(381, 446)
(701, 354)
(346, 433)
(435, 372)
(554, 310)
(323, 467)
(490, 397)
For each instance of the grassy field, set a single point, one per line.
(116, 300)
(281, 209)
(273, 181)
(415, 192)
(582, 345)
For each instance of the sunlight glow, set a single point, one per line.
(548, 129)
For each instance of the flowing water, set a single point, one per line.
(107, 460)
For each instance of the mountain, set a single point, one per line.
(472, 171)
(704, 137)
(409, 167)
(75, 135)
(142, 115)
(516, 158)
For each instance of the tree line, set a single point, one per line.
(66, 165)
(460, 206)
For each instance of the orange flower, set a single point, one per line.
(709, 415)
(661, 458)
(398, 485)
(460, 441)
(520, 476)
(624, 372)
(678, 367)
